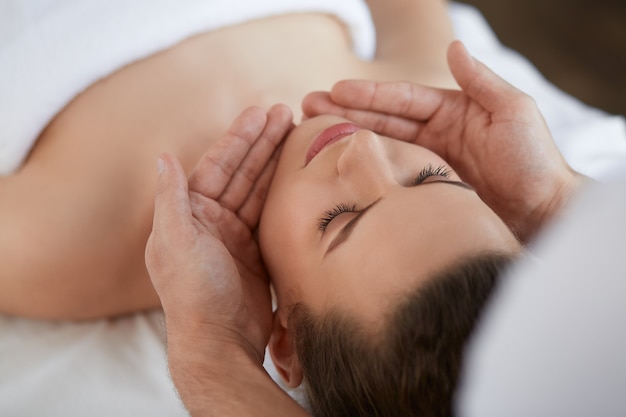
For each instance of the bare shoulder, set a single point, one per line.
(80, 210)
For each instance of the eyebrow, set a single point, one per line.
(345, 233)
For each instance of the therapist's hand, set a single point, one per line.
(206, 268)
(491, 134)
(201, 255)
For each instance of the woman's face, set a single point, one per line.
(353, 219)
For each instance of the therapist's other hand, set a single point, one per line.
(492, 135)
(201, 255)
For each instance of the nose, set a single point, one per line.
(365, 165)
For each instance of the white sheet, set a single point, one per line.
(106, 368)
(48, 65)
(118, 367)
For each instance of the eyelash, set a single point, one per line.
(430, 171)
(331, 214)
(426, 172)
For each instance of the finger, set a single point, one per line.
(385, 124)
(479, 82)
(250, 211)
(402, 99)
(217, 166)
(279, 122)
(319, 102)
(171, 202)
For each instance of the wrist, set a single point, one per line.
(204, 370)
(567, 186)
(198, 343)
(221, 378)
(206, 360)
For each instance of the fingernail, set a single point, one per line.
(160, 165)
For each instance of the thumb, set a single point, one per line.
(171, 201)
(478, 81)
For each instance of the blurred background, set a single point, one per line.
(579, 45)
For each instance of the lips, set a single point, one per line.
(330, 136)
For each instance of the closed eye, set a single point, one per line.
(429, 171)
(347, 229)
(331, 214)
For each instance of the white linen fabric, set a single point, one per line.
(552, 341)
(118, 367)
(51, 50)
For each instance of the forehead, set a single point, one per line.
(402, 242)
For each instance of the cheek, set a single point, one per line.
(283, 235)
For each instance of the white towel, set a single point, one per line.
(51, 50)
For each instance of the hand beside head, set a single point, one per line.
(201, 255)
(205, 265)
(491, 134)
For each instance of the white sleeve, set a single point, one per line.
(553, 340)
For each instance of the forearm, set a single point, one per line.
(220, 379)
(412, 30)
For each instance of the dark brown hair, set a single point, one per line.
(409, 365)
